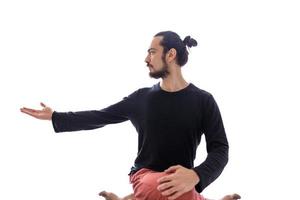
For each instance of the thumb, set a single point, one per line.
(172, 169)
(43, 105)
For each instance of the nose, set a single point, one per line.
(147, 59)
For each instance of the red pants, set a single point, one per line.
(145, 184)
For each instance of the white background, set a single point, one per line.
(79, 55)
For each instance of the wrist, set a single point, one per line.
(196, 178)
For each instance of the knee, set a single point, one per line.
(147, 188)
(149, 184)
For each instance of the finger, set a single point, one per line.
(43, 105)
(165, 178)
(175, 196)
(169, 192)
(172, 169)
(164, 186)
(28, 109)
(31, 112)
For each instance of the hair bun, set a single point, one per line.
(190, 42)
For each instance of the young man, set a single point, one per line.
(170, 118)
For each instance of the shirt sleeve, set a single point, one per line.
(92, 119)
(216, 145)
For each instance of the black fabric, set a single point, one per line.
(169, 126)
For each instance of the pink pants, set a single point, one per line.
(144, 183)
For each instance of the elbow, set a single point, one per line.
(226, 155)
(223, 156)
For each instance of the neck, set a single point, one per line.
(174, 81)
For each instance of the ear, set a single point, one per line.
(171, 55)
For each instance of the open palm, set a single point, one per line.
(44, 114)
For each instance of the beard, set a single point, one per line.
(162, 73)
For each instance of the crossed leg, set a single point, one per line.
(145, 183)
(112, 196)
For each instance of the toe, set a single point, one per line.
(236, 196)
(103, 194)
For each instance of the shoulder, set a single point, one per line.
(205, 98)
(200, 92)
(141, 91)
(147, 90)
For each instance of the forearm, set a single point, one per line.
(212, 167)
(83, 120)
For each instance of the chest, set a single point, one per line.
(171, 112)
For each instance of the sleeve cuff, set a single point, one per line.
(54, 120)
(198, 187)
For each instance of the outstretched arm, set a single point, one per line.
(87, 120)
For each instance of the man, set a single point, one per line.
(170, 118)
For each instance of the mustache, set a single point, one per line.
(148, 65)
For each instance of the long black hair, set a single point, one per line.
(172, 40)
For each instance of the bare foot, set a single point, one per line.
(231, 197)
(109, 195)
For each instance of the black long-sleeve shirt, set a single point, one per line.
(169, 126)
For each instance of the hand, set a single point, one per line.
(179, 181)
(45, 113)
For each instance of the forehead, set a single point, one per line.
(156, 42)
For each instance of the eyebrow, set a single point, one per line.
(151, 49)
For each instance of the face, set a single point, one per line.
(156, 60)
